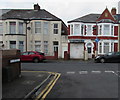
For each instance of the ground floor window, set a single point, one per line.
(46, 47)
(21, 46)
(105, 47)
(12, 44)
(37, 45)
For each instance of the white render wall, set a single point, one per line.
(32, 36)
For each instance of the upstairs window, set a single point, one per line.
(106, 29)
(55, 29)
(1, 28)
(37, 27)
(12, 27)
(46, 28)
(76, 29)
(21, 28)
(111, 29)
(71, 29)
(89, 30)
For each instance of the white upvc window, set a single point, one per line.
(106, 47)
(46, 27)
(21, 28)
(106, 30)
(100, 30)
(112, 30)
(89, 29)
(1, 28)
(21, 46)
(37, 27)
(76, 29)
(12, 28)
(37, 45)
(55, 28)
(71, 29)
(82, 29)
(46, 47)
(12, 44)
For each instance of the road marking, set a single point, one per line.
(83, 72)
(96, 72)
(70, 72)
(109, 71)
(48, 88)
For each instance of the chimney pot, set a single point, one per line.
(113, 11)
(36, 7)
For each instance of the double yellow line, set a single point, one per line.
(48, 88)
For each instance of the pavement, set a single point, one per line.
(31, 85)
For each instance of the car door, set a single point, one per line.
(117, 57)
(31, 55)
(24, 56)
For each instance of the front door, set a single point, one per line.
(89, 49)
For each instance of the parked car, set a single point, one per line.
(34, 56)
(109, 57)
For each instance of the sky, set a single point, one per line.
(64, 9)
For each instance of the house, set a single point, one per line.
(94, 33)
(33, 29)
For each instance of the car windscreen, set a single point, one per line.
(41, 53)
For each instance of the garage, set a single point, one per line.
(77, 50)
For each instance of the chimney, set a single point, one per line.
(36, 7)
(113, 11)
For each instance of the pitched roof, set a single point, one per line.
(87, 18)
(29, 14)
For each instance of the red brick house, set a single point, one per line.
(93, 32)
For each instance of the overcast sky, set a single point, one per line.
(65, 9)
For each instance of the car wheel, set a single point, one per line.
(35, 60)
(102, 60)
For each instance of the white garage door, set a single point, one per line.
(77, 51)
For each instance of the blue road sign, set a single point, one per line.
(97, 40)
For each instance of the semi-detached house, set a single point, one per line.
(93, 32)
(33, 29)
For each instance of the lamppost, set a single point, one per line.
(27, 21)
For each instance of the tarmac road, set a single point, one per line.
(81, 79)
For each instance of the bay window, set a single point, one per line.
(76, 29)
(106, 47)
(37, 27)
(89, 29)
(1, 28)
(46, 28)
(46, 47)
(21, 30)
(71, 29)
(21, 46)
(12, 44)
(12, 27)
(106, 29)
(37, 45)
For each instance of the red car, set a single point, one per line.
(34, 56)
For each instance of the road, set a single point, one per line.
(81, 79)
